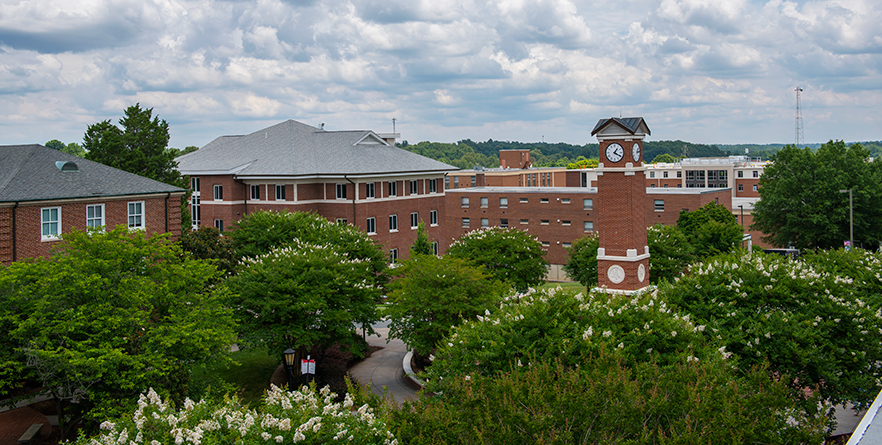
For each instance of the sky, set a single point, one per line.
(703, 71)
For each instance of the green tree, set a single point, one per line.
(583, 162)
(711, 229)
(72, 149)
(800, 203)
(301, 295)
(432, 295)
(814, 327)
(510, 255)
(54, 144)
(664, 158)
(670, 253)
(140, 147)
(208, 243)
(582, 261)
(421, 245)
(109, 315)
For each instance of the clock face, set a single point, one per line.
(635, 152)
(614, 152)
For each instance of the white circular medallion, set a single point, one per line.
(641, 273)
(616, 274)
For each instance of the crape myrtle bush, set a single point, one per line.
(609, 399)
(816, 328)
(567, 325)
(302, 416)
(510, 255)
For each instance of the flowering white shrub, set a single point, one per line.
(302, 416)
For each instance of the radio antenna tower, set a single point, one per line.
(800, 137)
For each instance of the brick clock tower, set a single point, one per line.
(623, 256)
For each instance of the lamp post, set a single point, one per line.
(290, 356)
(851, 217)
(742, 217)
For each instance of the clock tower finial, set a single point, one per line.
(623, 256)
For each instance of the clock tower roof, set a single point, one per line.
(625, 126)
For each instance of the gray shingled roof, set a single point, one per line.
(29, 173)
(629, 124)
(292, 148)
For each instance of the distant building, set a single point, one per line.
(45, 193)
(357, 177)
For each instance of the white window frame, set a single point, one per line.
(588, 226)
(466, 223)
(218, 192)
(50, 229)
(371, 226)
(433, 186)
(588, 204)
(142, 224)
(393, 256)
(755, 188)
(341, 191)
(464, 202)
(393, 223)
(414, 187)
(503, 222)
(564, 200)
(91, 222)
(196, 210)
(740, 187)
(659, 205)
(254, 192)
(219, 225)
(280, 192)
(485, 222)
(370, 190)
(393, 188)
(433, 218)
(194, 184)
(435, 247)
(485, 202)
(341, 221)
(503, 203)
(756, 174)
(414, 220)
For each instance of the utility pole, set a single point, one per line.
(800, 137)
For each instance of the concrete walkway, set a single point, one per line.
(383, 369)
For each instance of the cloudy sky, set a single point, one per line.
(707, 71)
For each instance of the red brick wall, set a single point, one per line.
(28, 243)
(675, 202)
(310, 192)
(748, 184)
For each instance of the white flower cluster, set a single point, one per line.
(287, 417)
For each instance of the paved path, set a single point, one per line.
(383, 368)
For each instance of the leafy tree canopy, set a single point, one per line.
(665, 158)
(139, 147)
(207, 243)
(72, 149)
(670, 252)
(421, 245)
(801, 204)
(431, 295)
(711, 229)
(582, 260)
(109, 315)
(510, 255)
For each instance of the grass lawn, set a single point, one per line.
(566, 286)
(248, 377)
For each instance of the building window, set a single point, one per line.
(196, 211)
(503, 223)
(651, 174)
(219, 225)
(372, 226)
(433, 186)
(194, 184)
(341, 221)
(485, 222)
(565, 223)
(341, 191)
(255, 192)
(465, 223)
(136, 215)
(679, 186)
(755, 188)
(503, 203)
(433, 217)
(447, 183)
(543, 222)
(393, 188)
(543, 200)
(456, 182)
(525, 221)
(393, 256)
(588, 204)
(524, 200)
(435, 247)
(369, 190)
(659, 205)
(589, 226)
(50, 222)
(393, 223)
(652, 186)
(545, 244)
(740, 187)
(679, 174)
(414, 220)
(665, 186)
(740, 173)
(664, 174)
(473, 180)
(564, 200)
(756, 174)
(414, 189)
(95, 215)
(464, 201)
(218, 193)
(566, 245)
(280, 192)
(485, 202)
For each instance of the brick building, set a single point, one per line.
(45, 193)
(357, 177)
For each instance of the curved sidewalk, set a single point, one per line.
(383, 369)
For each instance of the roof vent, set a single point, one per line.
(67, 166)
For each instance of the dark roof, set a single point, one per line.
(30, 173)
(291, 148)
(629, 124)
